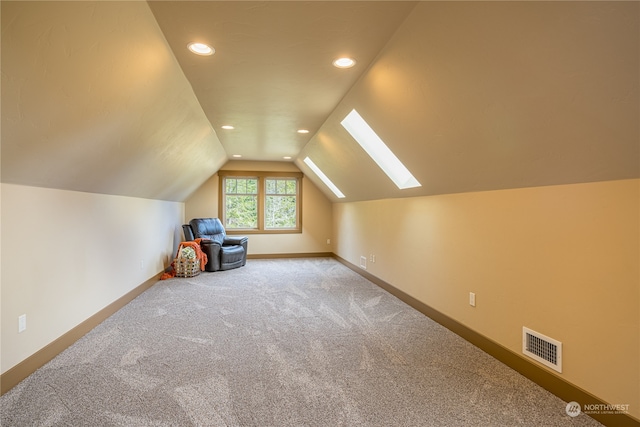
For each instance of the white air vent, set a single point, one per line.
(542, 348)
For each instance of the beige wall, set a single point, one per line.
(561, 260)
(316, 213)
(203, 203)
(66, 255)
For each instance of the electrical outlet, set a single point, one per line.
(373, 259)
(22, 323)
(328, 241)
(472, 299)
(363, 262)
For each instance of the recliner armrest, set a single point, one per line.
(212, 249)
(235, 240)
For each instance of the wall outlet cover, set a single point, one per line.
(22, 323)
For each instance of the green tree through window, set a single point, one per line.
(281, 203)
(241, 207)
(260, 202)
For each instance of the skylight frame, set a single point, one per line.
(375, 147)
(324, 178)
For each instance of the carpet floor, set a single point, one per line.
(287, 342)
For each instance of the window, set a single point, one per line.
(260, 202)
(241, 207)
(280, 208)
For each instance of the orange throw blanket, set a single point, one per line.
(199, 255)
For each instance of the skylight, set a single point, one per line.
(323, 177)
(378, 150)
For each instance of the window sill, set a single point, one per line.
(254, 231)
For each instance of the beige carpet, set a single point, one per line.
(301, 342)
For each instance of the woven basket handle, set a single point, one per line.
(179, 255)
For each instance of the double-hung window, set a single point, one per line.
(261, 202)
(241, 202)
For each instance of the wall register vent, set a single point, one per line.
(542, 348)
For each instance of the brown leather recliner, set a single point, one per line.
(223, 252)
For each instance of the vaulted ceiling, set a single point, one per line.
(272, 72)
(105, 97)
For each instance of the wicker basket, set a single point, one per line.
(186, 267)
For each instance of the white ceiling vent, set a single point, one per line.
(542, 348)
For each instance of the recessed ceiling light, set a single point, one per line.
(227, 127)
(201, 49)
(303, 130)
(287, 157)
(237, 156)
(344, 62)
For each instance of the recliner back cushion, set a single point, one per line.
(208, 228)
